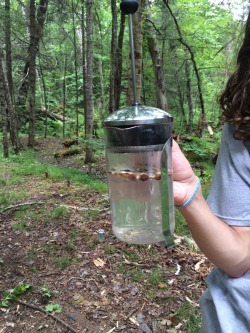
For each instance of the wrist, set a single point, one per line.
(191, 191)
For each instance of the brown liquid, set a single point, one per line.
(136, 176)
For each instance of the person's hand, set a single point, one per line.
(183, 176)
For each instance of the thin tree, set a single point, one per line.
(3, 108)
(11, 116)
(7, 29)
(89, 105)
(202, 119)
(39, 19)
(137, 34)
(74, 9)
(157, 60)
(116, 58)
(113, 66)
(32, 73)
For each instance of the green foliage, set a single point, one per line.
(12, 295)
(26, 164)
(199, 149)
(156, 276)
(45, 291)
(64, 261)
(136, 274)
(211, 30)
(191, 315)
(91, 214)
(59, 212)
(53, 307)
(21, 226)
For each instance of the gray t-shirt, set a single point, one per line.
(225, 305)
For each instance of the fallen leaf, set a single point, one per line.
(99, 262)
(112, 329)
(134, 321)
(162, 286)
(197, 266)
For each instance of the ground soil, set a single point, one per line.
(107, 286)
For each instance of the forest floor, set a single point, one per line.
(65, 280)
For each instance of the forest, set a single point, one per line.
(65, 66)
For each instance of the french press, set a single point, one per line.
(139, 166)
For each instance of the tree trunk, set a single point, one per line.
(46, 108)
(11, 116)
(25, 82)
(113, 67)
(189, 97)
(74, 9)
(7, 30)
(3, 112)
(32, 74)
(157, 61)
(64, 94)
(9, 110)
(118, 77)
(84, 71)
(89, 81)
(137, 27)
(116, 59)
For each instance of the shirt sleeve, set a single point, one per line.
(229, 195)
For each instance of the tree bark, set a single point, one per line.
(116, 59)
(7, 29)
(64, 93)
(32, 73)
(137, 27)
(84, 65)
(89, 81)
(179, 91)
(3, 112)
(113, 67)
(9, 110)
(74, 9)
(25, 82)
(44, 99)
(189, 96)
(11, 116)
(161, 98)
(118, 77)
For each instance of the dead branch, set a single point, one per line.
(34, 307)
(56, 116)
(21, 204)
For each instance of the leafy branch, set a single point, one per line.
(13, 295)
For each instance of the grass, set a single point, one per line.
(40, 214)
(191, 315)
(18, 167)
(21, 226)
(156, 276)
(8, 197)
(64, 261)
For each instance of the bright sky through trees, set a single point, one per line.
(238, 8)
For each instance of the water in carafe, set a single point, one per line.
(135, 193)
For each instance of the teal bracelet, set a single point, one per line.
(185, 204)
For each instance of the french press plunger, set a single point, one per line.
(139, 165)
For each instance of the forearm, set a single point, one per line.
(222, 244)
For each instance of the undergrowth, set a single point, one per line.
(15, 168)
